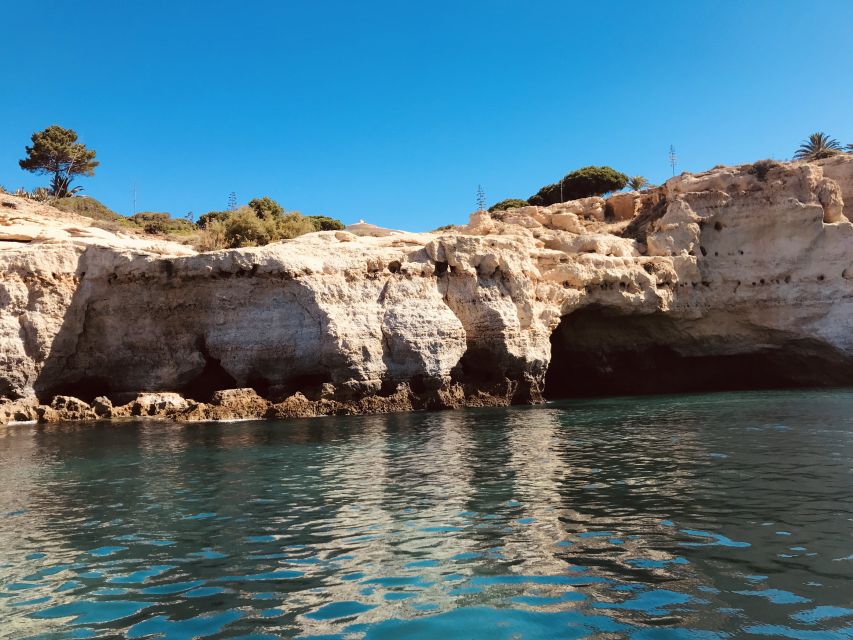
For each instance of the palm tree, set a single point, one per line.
(818, 146)
(635, 183)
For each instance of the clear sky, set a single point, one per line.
(396, 111)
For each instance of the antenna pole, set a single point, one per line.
(673, 159)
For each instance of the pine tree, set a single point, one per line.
(56, 152)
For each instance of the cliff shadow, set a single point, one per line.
(58, 374)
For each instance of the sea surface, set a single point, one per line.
(672, 517)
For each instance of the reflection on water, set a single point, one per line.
(694, 517)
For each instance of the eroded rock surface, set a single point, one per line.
(745, 270)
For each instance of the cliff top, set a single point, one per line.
(621, 218)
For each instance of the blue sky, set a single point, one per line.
(396, 111)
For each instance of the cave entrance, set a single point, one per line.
(596, 352)
(212, 378)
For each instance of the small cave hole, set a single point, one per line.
(260, 384)
(85, 389)
(477, 366)
(213, 377)
(308, 384)
(394, 266)
(388, 388)
(417, 384)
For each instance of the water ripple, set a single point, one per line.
(686, 518)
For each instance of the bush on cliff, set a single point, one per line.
(509, 203)
(162, 223)
(266, 208)
(260, 222)
(761, 168)
(583, 183)
(245, 229)
(325, 223)
(89, 207)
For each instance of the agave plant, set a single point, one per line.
(818, 146)
(40, 194)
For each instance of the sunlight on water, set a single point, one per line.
(691, 517)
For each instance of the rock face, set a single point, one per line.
(740, 276)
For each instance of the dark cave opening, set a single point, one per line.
(478, 366)
(596, 352)
(85, 389)
(212, 378)
(308, 384)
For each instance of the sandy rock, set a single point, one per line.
(102, 406)
(623, 206)
(23, 410)
(158, 404)
(567, 222)
(296, 406)
(239, 403)
(65, 408)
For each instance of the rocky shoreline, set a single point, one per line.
(736, 277)
(246, 404)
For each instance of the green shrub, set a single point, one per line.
(325, 223)
(207, 218)
(260, 222)
(293, 225)
(761, 168)
(583, 183)
(509, 203)
(244, 229)
(211, 237)
(162, 223)
(86, 206)
(266, 207)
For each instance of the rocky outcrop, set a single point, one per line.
(737, 276)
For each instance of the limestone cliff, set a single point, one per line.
(740, 276)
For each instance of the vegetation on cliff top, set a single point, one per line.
(509, 203)
(260, 222)
(582, 183)
(819, 146)
(57, 153)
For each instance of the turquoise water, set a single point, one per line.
(691, 517)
